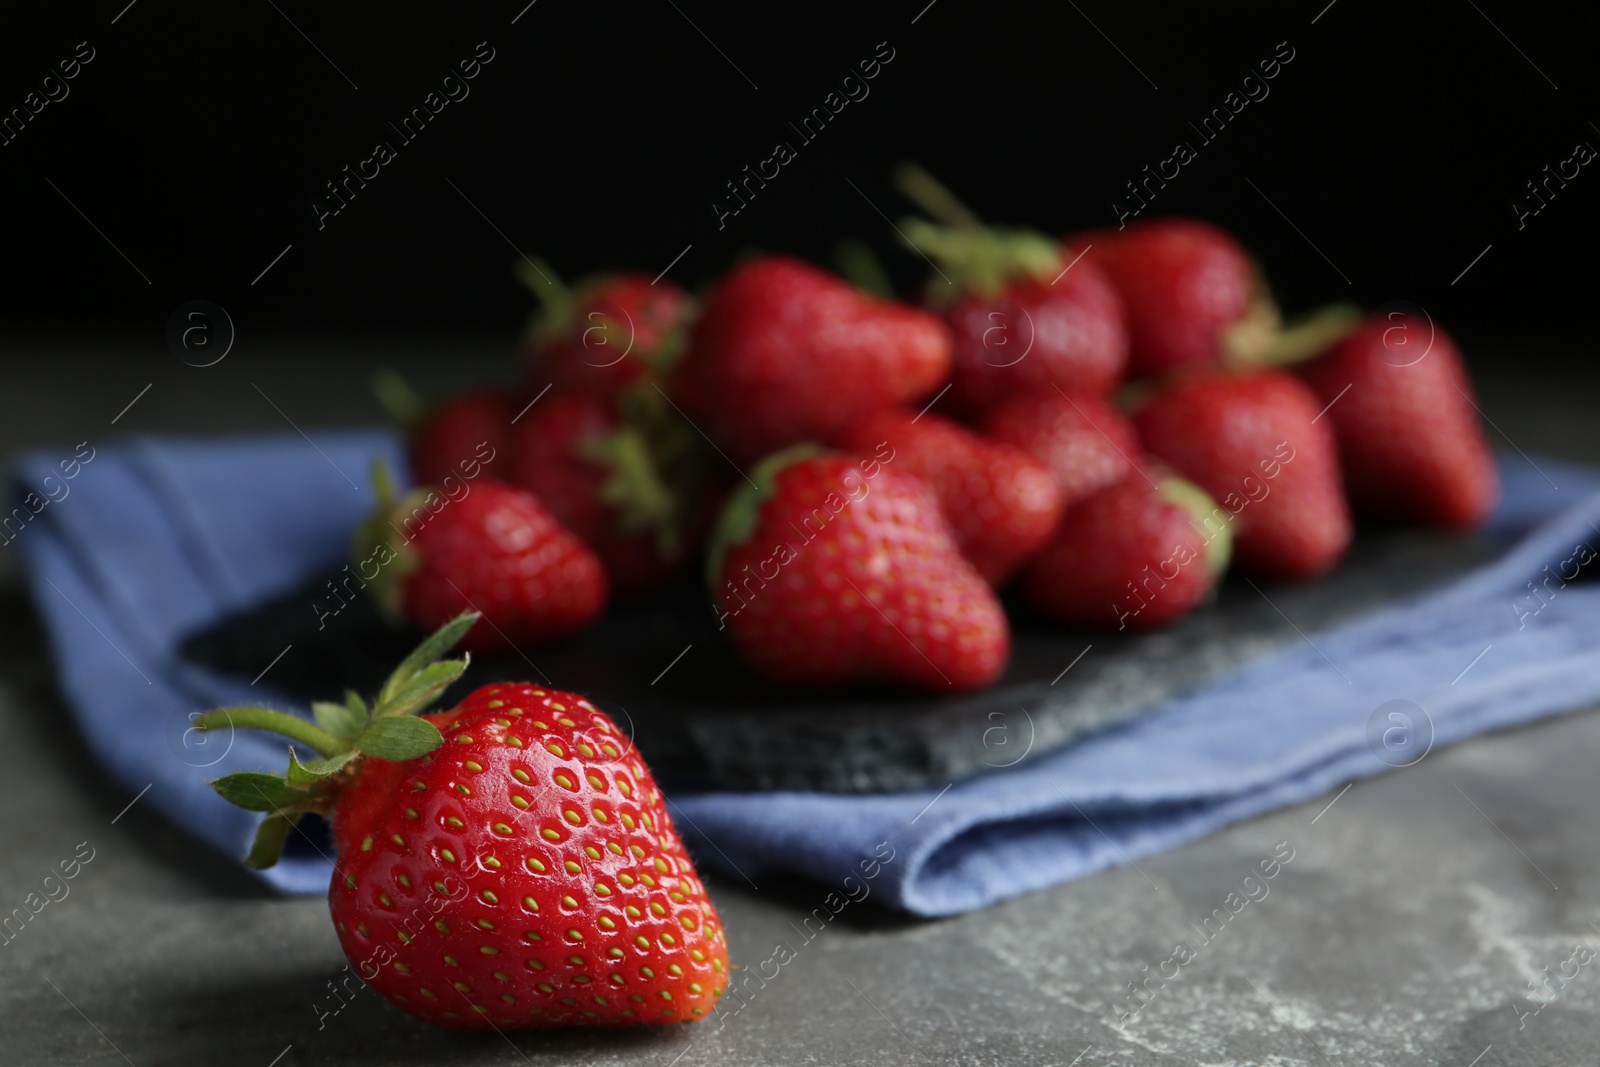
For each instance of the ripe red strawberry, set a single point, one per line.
(462, 438)
(1254, 442)
(506, 864)
(1409, 439)
(493, 548)
(631, 498)
(1000, 502)
(609, 333)
(1084, 441)
(834, 570)
(1029, 329)
(1190, 290)
(1027, 312)
(785, 352)
(1140, 553)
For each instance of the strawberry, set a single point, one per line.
(1031, 332)
(1025, 311)
(831, 570)
(1000, 502)
(1139, 553)
(506, 864)
(1084, 441)
(1192, 294)
(1253, 441)
(785, 353)
(607, 334)
(603, 480)
(1402, 408)
(493, 548)
(462, 437)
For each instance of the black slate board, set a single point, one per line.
(702, 720)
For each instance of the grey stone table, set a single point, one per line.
(1423, 918)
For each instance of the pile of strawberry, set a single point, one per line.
(1105, 422)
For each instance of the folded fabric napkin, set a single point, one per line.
(159, 538)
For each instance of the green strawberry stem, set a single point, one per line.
(1245, 341)
(975, 257)
(269, 841)
(556, 299)
(634, 489)
(738, 519)
(1311, 335)
(401, 401)
(983, 259)
(386, 729)
(931, 195)
(674, 446)
(655, 466)
(674, 342)
(863, 269)
(381, 530)
(313, 737)
(1260, 339)
(1202, 510)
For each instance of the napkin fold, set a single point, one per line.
(158, 538)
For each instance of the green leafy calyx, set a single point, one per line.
(1208, 520)
(970, 257)
(386, 728)
(654, 469)
(740, 514)
(381, 550)
(983, 260)
(556, 300)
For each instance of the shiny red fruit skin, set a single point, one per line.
(1085, 442)
(1182, 281)
(457, 435)
(1123, 557)
(1036, 335)
(1000, 502)
(851, 575)
(1409, 439)
(586, 358)
(785, 353)
(1254, 442)
(505, 880)
(497, 550)
(545, 459)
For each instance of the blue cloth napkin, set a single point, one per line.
(154, 540)
(158, 538)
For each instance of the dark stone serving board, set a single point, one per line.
(704, 721)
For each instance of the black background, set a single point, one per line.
(197, 138)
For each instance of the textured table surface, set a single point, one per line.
(1406, 929)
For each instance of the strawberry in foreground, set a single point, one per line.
(1084, 441)
(506, 864)
(1025, 311)
(605, 335)
(1137, 554)
(493, 548)
(1409, 439)
(785, 353)
(831, 569)
(629, 488)
(1254, 441)
(1001, 503)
